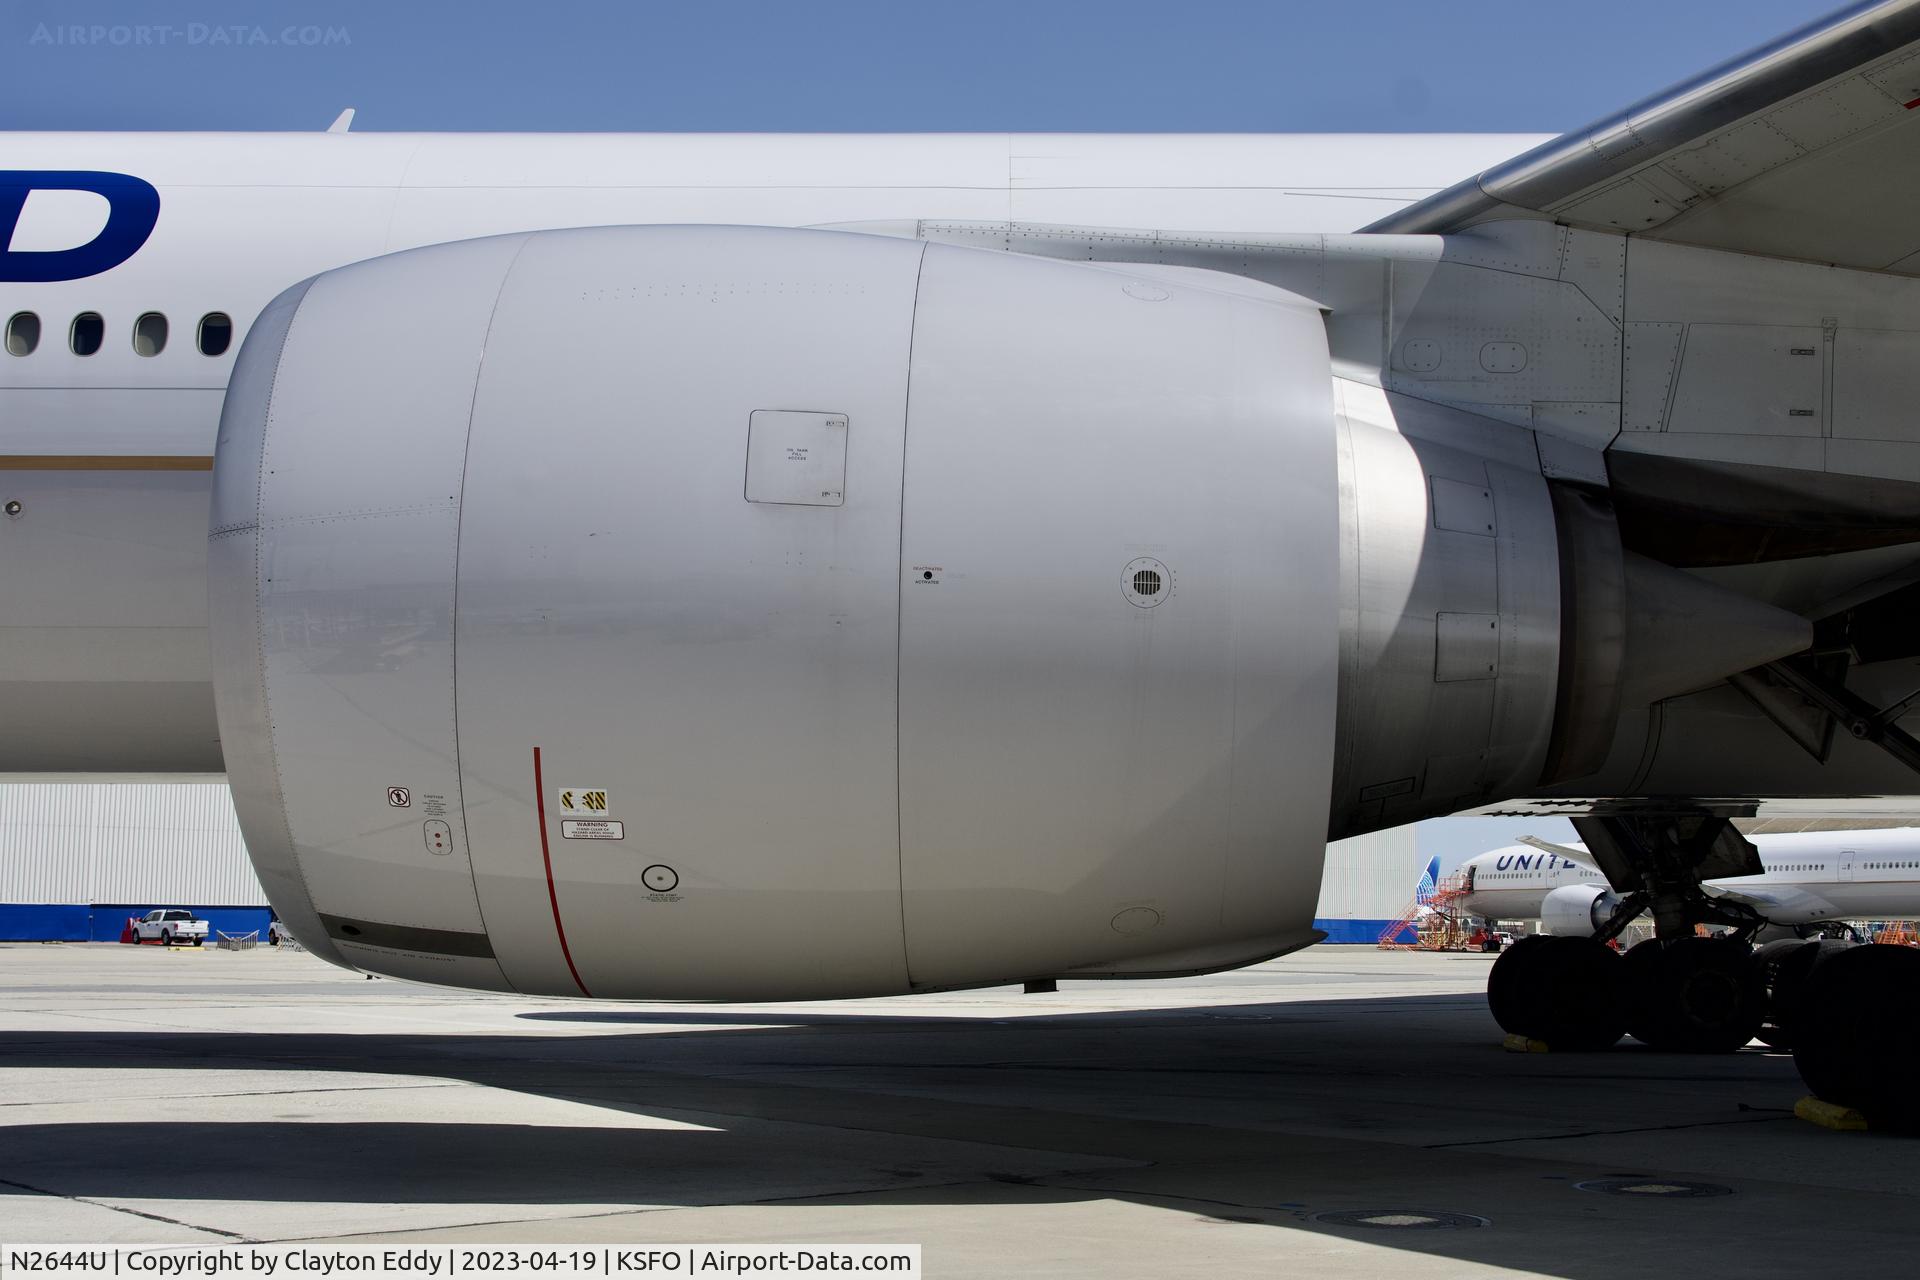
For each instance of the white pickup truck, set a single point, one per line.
(170, 926)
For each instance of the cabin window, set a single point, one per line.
(87, 333)
(150, 334)
(23, 333)
(216, 333)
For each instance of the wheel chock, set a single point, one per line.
(1830, 1115)
(1520, 1044)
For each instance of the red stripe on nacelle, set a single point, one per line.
(546, 858)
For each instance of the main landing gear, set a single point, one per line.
(1687, 995)
(1850, 1014)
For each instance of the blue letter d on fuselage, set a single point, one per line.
(133, 207)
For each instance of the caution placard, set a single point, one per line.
(592, 829)
(582, 802)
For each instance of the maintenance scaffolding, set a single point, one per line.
(1435, 920)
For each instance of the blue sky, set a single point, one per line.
(1457, 839)
(1496, 65)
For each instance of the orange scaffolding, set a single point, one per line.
(1436, 921)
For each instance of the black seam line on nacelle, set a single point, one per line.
(406, 937)
(900, 618)
(459, 504)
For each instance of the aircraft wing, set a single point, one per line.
(1782, 904)
(1776, 826)
(1803, 148)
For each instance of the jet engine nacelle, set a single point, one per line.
(749, 613)
(1577, 910)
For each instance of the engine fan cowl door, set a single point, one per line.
(1119, 622)
(679, 582)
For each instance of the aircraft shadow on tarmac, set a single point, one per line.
(1256, 1113)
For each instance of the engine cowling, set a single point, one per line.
(1577, 910)
(748, 613)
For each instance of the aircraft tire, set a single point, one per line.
(1859, 1032)
(1694, 995)
(1564, 992)
(1785, 966)
(1769, 958)
(1504, 981)
(1647, 1019)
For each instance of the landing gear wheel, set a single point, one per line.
(1564, 992)
(1503, 987)
(1694, 995)
(1857, 1031)
(1784, 967)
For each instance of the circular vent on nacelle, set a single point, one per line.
(1146, 582)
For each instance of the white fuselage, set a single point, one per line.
(1810, 876)
(103, 652)
(1511, 883)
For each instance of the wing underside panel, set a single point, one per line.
(1804, 148)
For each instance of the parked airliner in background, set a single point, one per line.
(882, 564)
(1811, 877)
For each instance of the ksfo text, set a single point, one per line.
(778, 1260)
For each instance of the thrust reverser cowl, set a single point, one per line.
(745, 613)
(1494, 630)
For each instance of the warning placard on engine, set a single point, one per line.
(582, 802)
(588, 829)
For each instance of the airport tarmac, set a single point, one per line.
(1167, 1129)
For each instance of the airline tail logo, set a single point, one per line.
(133, 207)
(1429, 881)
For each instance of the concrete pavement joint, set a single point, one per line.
(645, 1209)
(1609, 1133)
(292, 1092)
(120, 1208)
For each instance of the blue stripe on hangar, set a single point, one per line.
(102, 922)
(1359, 931)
